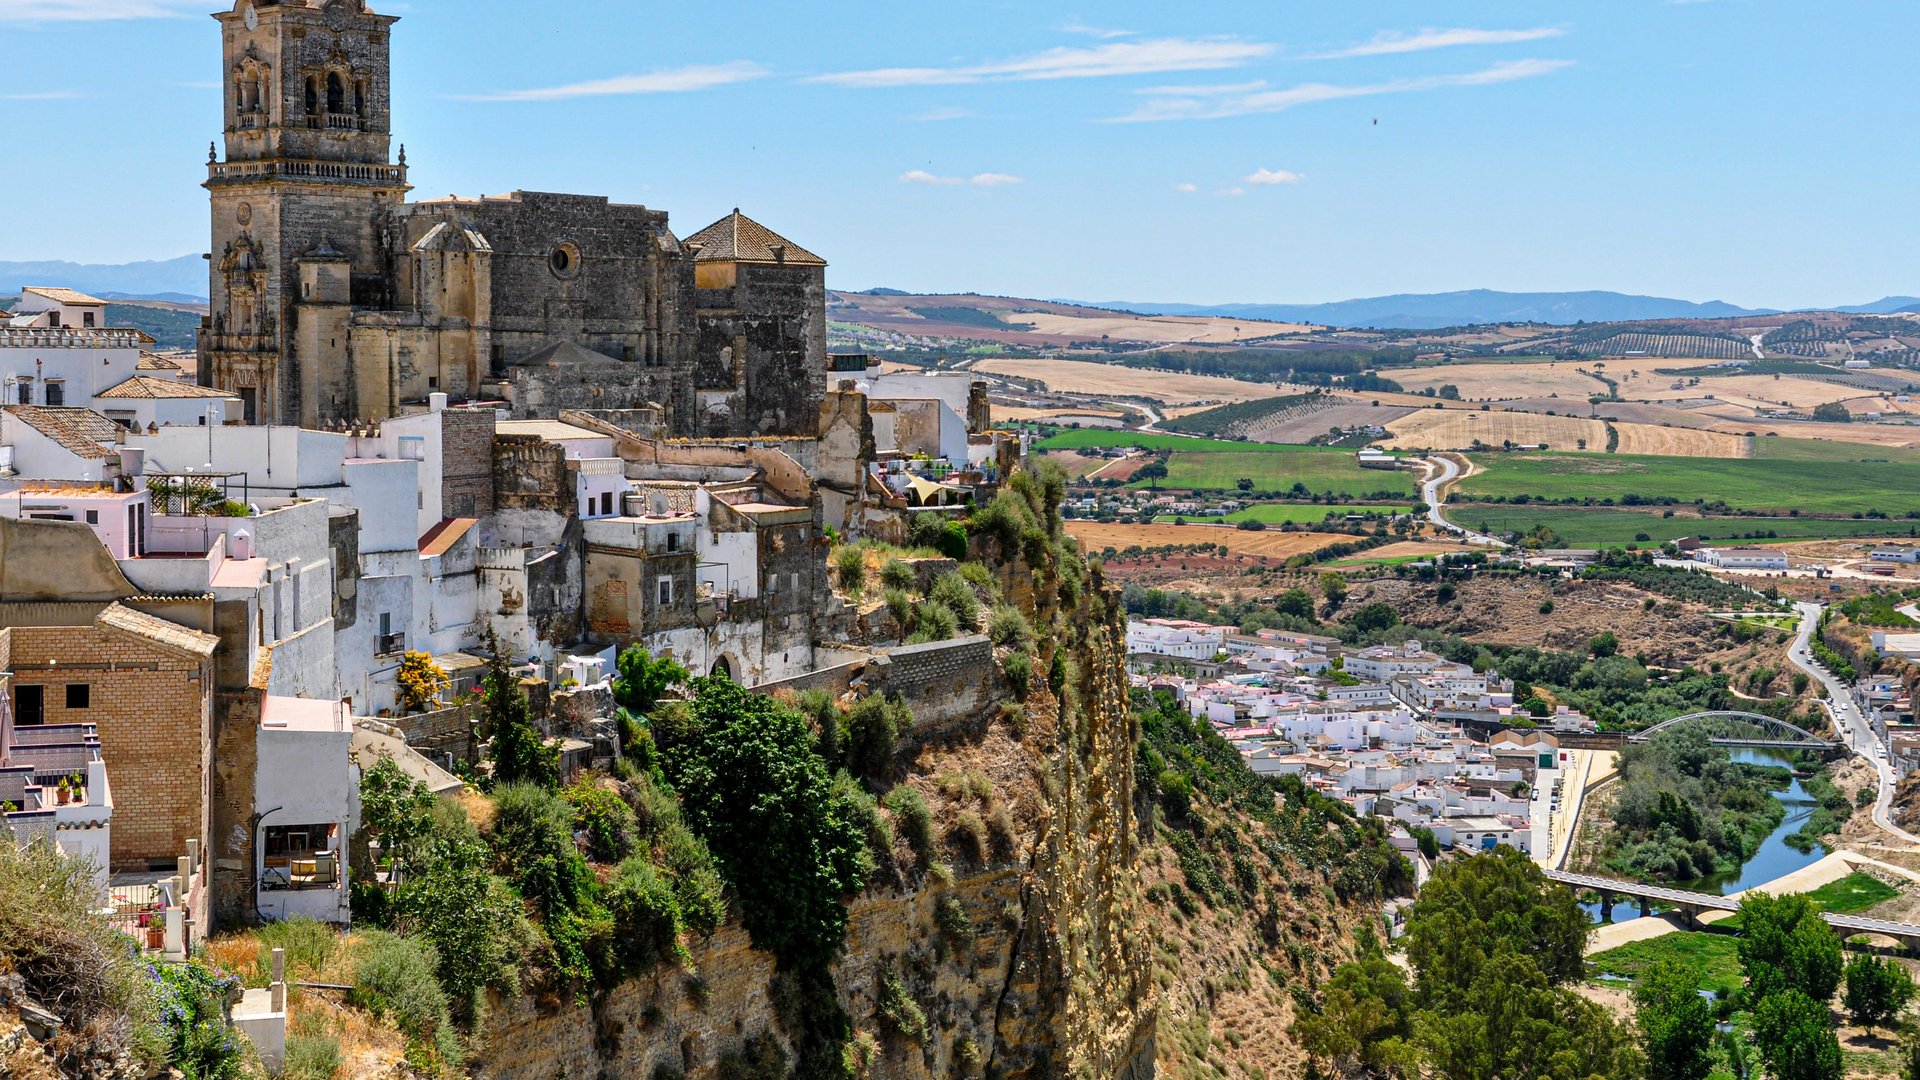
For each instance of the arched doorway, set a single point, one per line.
(722, 669)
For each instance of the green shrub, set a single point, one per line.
(954, 593)
(397, 978)
(966, 1055)
(981, 578)
(645, 922)
(753, 788)
(865, 812)
(933, 622)
(532, 838)
(874, 726)
(1008, 627)
(697, 885)
(910, 813)
(850, 568)
(308, 943)
(1020, 673)
(314, 1056)
(900, 608)
(955, 925)
(897, 574)
(898, 1012)
(608, 821)
(942, 534)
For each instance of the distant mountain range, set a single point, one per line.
(182, 280)
(1434, 310)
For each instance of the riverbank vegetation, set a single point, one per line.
(1685, 810)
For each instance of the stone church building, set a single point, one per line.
(336, 300)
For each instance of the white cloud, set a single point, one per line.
(1186, 189)
(987, 180)
(951, 112)
(673, 81)
(1274, 177)
(1100, 32)
(1231, 193)
(1391, 43)
(1073, 62)
(1234, 103)
(96, 10)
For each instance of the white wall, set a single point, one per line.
(310, 778)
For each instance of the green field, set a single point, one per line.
(1853, 894)
(1301, 513)
(1587, 526)
(1710, 957)
(1217, 465)
(1784, 474)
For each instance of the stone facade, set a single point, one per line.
(335, 300)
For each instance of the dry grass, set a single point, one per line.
(1095, 536)
(1457, 429)
(1084, 377)
(1681, 442)
(1499, 382)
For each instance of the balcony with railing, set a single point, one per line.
(302, 169)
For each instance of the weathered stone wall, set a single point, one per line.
(236, 757)
(944, 682)
(530, 474)
(467, 469)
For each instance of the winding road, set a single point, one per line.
(1848, 722)
(1442, 471)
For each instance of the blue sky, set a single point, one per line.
(1754, 151)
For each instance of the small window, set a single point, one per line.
(606, 502)
(433, 382)
(93, 517)
(23, 393)
(673, 541)
(86, 319)
(79, 695)
(666, 592)
(564, 260)
(56, 394)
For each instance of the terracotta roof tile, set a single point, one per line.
(147, 386)
(739, 238)
(81, 431)
(156, 630)
(441, 538)
(63, 296)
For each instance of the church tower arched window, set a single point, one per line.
(313, 96)
(336, 95)
(360, 99)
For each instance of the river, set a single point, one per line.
(1774, 858)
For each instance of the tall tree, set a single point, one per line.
(1876, 990)
(519, 750)
(1795, 1036)
(1474, 909)
(1676, 1024)
(1785, 945)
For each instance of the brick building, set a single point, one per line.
(145, 684)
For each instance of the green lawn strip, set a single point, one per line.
(1320, 472)
(1711, 958)
(1297, 513)
(1852, 894)
(1783, 475)
(1578, 525)
(1388, 560)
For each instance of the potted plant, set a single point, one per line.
(63, 793)
(155, 926)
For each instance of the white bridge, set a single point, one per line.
(1691, 904)
(1732, 728)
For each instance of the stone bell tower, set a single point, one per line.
(298, 203)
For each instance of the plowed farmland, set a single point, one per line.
(1096, 536)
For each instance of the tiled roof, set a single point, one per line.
(147, 386)
(739, 238)
(63, 296)
(155, 362)
(80, 431)
(156, 630)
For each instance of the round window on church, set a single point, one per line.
(564, 261)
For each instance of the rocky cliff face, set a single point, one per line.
(1024, 957)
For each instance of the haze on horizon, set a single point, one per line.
(1224, 152)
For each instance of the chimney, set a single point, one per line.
(133, 465)
(437, 402)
